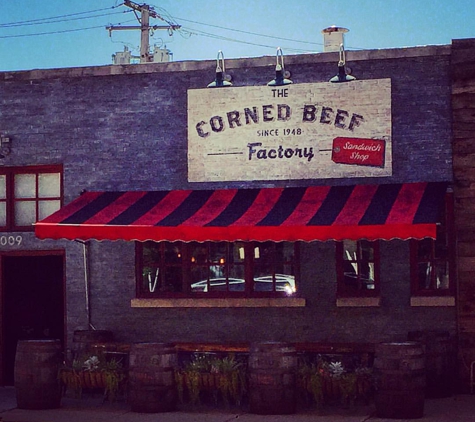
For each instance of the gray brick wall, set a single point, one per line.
(128, 131)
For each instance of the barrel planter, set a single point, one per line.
(152, 377)
(400, 380)
(440, 361)
(84, 341)
(272, 378)
(36, 374)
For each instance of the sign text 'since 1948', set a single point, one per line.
(313, 131)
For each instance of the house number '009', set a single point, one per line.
(10, 240)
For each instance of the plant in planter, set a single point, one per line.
(310, 382)
(231, 379)
(327, 382)
(207, 375)
(94, 372)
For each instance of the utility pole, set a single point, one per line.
(145, 13)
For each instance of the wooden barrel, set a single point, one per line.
(440, 361)
(400, 380)
(152, 377)
(36, 374)
(84, 341)
(272, 378)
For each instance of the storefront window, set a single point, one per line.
(216, 269)
(357, 268)
(432, 260)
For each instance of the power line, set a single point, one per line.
(250, 33)
(57, 32)
(189, 31)
(220, 37)
(47, 22)
(183, 31)
(42, 20)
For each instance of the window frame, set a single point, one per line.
(447, 227)
(186, 292)
(344, 292)
(10, 199)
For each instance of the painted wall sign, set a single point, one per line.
(300, 131)
(363, 152)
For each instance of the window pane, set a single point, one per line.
(218, 259)
(150, 270)
(236, 267)
(3, 186)
(199, 279)
(424, 249)
(47, 208)
(264, 259)
(172, 271)
(442, 275)
(172, 279)
(25, 185)
(216, 268)
(199, 253)
(273, 268)
(49, 185)
(162, 267)
(25, 213)
(433, 276)
(358, 267)
(3, 213)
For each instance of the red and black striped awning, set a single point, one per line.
(403, 211)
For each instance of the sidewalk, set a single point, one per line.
(92, 409)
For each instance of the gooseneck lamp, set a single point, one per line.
(221, 79)
(281, 75)
(342, 76)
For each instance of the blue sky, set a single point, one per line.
(76, 36)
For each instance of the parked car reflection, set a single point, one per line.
(283, 283)
(359, 283)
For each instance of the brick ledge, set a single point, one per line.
(358, 302)
(219, 303)
(432, 301)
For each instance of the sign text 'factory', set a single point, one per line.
(301, 131)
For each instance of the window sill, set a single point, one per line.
(343, 302)
(432, 301)
(284, 302)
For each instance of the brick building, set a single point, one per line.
(330, 207)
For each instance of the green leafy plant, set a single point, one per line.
(94, 372)
(205, 374)
(324, 382)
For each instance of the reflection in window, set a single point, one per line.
(162, 267)
(357, 268)
(216, 268)
(432, 265)
(273, 267)
(432, 260)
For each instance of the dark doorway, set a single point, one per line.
(33, 303)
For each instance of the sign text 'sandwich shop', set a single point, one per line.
(302, 131)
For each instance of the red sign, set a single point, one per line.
(359, 151)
